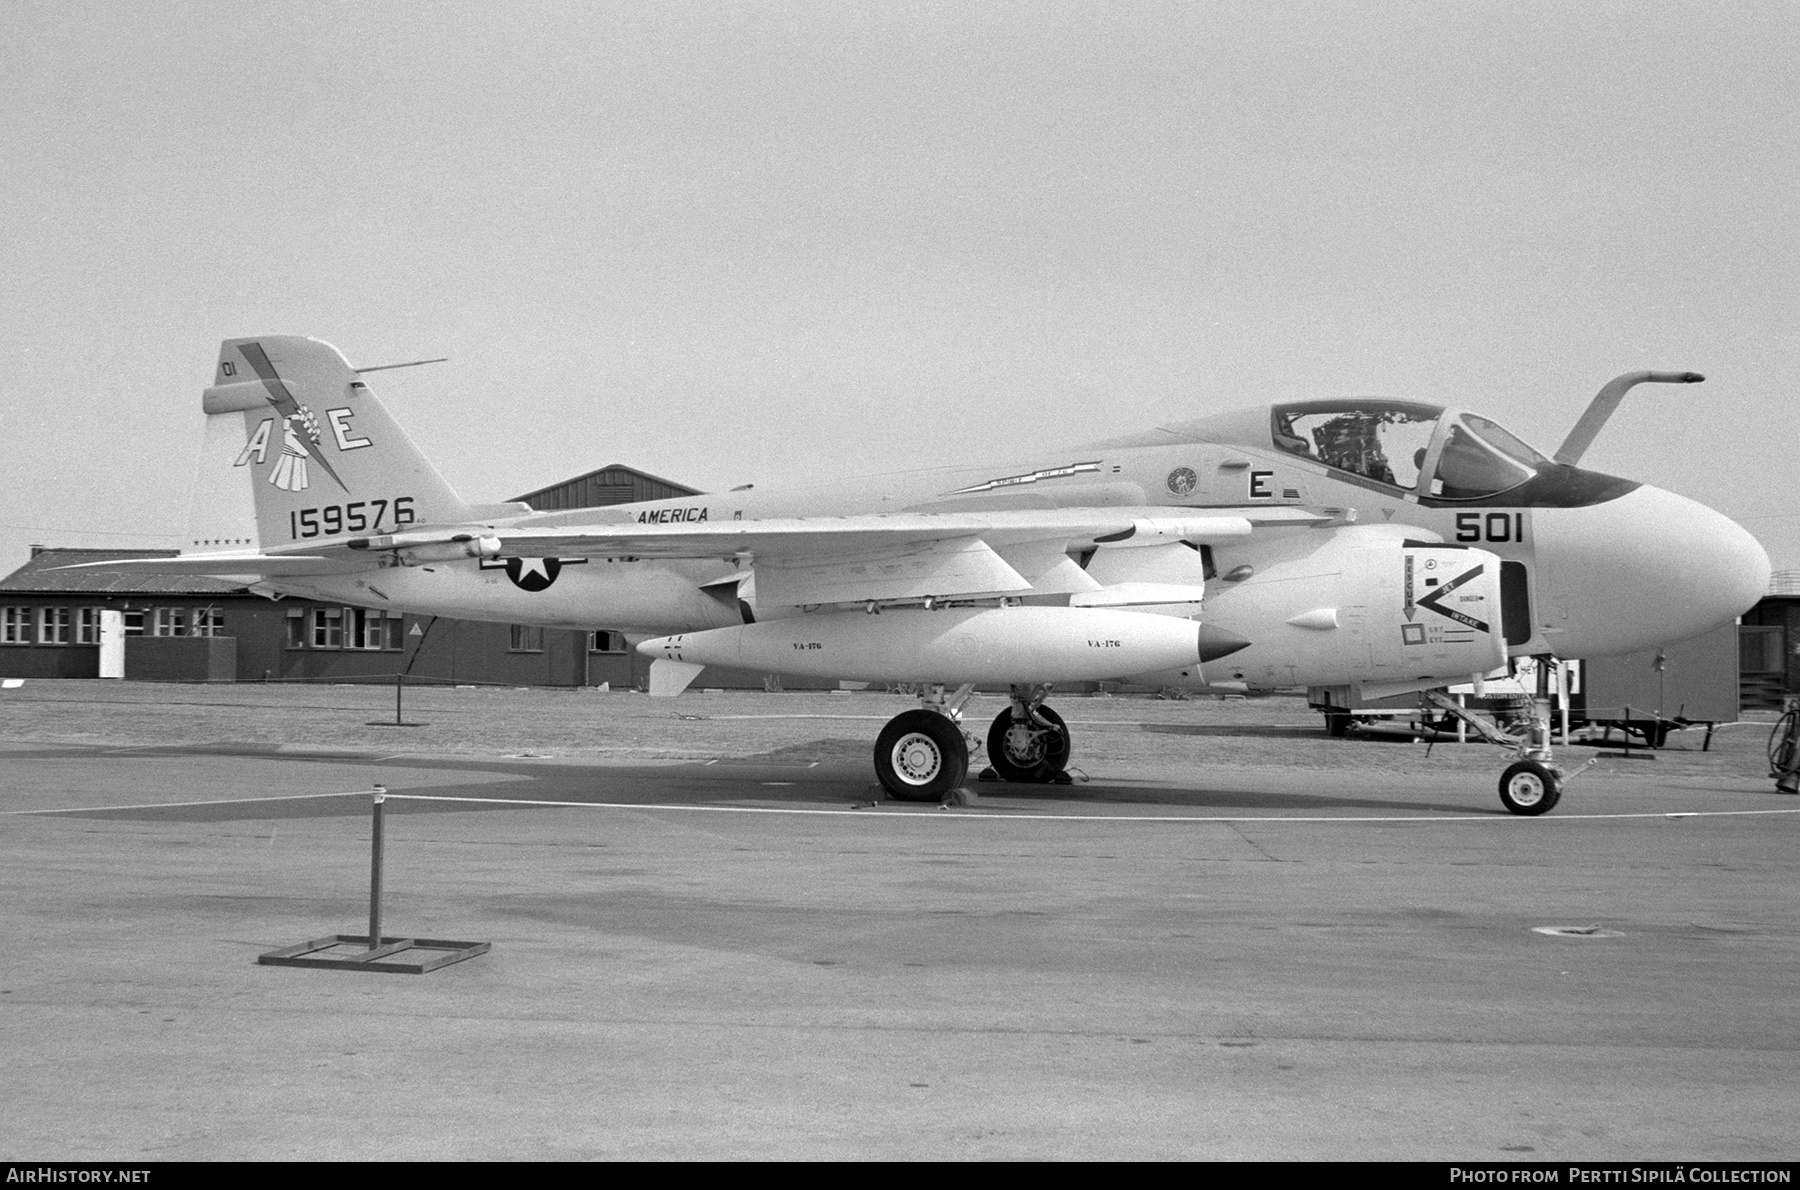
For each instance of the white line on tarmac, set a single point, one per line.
(910, 814)
(427, 797)
(1071, 722)
(222, 801)
(721, 718)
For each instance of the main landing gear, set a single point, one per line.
(923, 755)
(1029, 742)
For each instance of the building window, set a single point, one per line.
(53, 625)
(15, 626)
(169, 621)
(1762, 649)
(296, 628)
(134, 623)
(207, 621)
(87, 626)
(371, 629)
(527, 639)
(327, 627)
(607, 642)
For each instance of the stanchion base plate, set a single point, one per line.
(351, 952)
(391, 723)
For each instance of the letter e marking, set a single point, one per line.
(340, 428)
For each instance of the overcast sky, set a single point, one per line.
(732, 243)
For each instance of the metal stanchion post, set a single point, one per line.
(399, 716)
(375, 870)
(378, 953)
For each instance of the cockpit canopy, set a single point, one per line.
(1395, 443)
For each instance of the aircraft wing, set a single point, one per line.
(805, 560)
(789, 538)
(795, 560)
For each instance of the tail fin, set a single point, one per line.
(298, 448)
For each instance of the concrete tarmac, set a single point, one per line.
(750, 958)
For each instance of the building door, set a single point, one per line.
(112, 643)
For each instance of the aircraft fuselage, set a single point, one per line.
(1592, 564)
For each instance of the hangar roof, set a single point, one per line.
(612, 484)
(40, 576)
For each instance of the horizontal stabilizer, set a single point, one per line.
(224, 565)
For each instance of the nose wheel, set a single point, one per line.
(1530, 787)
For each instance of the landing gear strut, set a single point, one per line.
(1028, 742)
(922, 755)
(1532, 784)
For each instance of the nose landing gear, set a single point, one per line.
(1532, 784)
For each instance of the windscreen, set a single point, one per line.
(1481, 458)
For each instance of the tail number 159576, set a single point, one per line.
(359, 516)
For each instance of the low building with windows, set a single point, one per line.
(50, 619)
(203, 629)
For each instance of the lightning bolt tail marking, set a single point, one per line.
(282, 398)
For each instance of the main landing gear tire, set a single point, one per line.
(1022, 751)
(1530, 788)
(920, 756)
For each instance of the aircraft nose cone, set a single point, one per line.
(1743, 556)
(1644, 570)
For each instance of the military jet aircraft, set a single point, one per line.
(1358, 548)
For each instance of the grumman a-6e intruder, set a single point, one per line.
(1359, 548)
